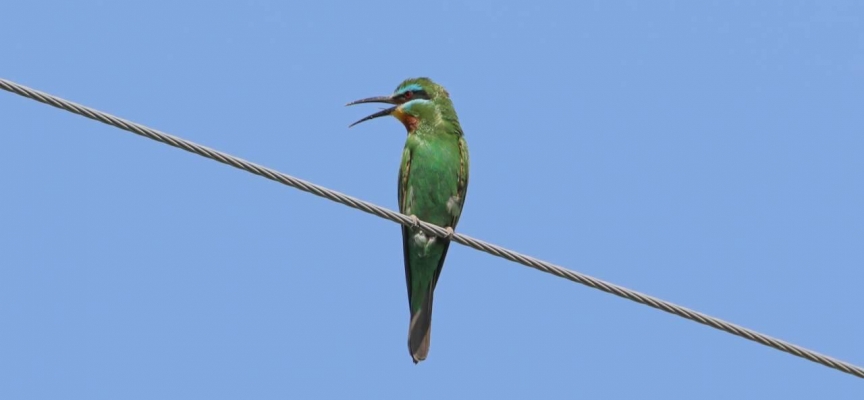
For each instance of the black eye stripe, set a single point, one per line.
(422, 94)
(416, 94)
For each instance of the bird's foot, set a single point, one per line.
(415, 222)
(450, 233)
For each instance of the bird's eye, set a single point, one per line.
(408, 94)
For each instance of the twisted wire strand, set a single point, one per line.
(433, 229)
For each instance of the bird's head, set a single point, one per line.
(416, 101)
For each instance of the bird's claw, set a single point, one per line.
(415, 222)
(450, 232)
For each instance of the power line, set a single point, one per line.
(432, 229)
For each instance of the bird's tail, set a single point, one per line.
(420, 329)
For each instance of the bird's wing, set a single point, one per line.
(462, 182)
(404, 169)
(461, 192)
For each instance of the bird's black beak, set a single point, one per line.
(383, 113)
(376, 99)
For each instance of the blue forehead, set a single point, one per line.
(415, 87)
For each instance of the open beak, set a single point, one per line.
(383, 113)
(376, 99)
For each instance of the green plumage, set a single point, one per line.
(433, 181)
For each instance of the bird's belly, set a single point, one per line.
(432, 187)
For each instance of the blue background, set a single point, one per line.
(709, 155)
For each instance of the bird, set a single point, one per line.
(433, 183)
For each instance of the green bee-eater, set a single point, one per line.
(433, 180)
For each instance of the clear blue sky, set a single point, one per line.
(711, 155)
